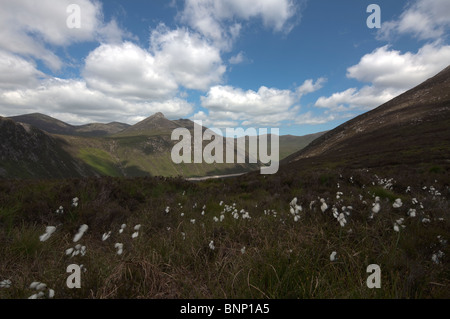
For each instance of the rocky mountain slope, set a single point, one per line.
(411, 128)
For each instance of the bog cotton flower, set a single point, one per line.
(324, 205)
(5, 283)
(376, 208)
(436, 258)
(106, 236)
(333, 256)
(81, 231)
(211, 245)
(398, 203)
(119, 247)
(49, 230)
(341, 219)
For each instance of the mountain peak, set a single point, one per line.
(158, 115)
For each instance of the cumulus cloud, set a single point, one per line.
(389, 73)
(128, 71)
(75, 102)
(30, 29)
(217, 19)
(310, 86)
(228, 105)
(192, 61)
(424, 19)
(238, 58)
(264, 101)
(16, 72)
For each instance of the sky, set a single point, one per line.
(302, 66)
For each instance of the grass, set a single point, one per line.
(171, 257)
(100, 160)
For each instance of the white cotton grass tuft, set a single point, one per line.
(49, 230)
(5, 283)
(399, 223)
(122, 228)
(333, 256)
(81, 231)
(77, 250)
(397, 203)
(243, 250)
(40, 287)
(119, 247)
(341, 219)
(211, 245)
(60, 210)
(412, 212)
(295, 209)
(106, 236)
(324, 205)
(167, 209)
(436, 257)
(75, 202)
(376, 208)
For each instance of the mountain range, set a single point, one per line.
(45, 147)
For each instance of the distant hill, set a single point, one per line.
(411, 128)
(26, 151)
(117, 149)
(55, 126)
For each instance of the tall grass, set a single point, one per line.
(171, 257)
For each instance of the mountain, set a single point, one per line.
(411, 128)
(100, 129)
(45, 123)
(26, 151)
(153, 125)
(55, 126)
(117, 149)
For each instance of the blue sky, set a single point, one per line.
(300, 66)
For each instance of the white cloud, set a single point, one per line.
(310, 86)
(364, 99)
(424, 19)
(30, 28)
(192, 61)
(389, 73)
(264, 101)
(16, 72)
(73, 101)
(210, 17)
(387, 68)
(127, 71)
(238, 58)
(266, 107)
